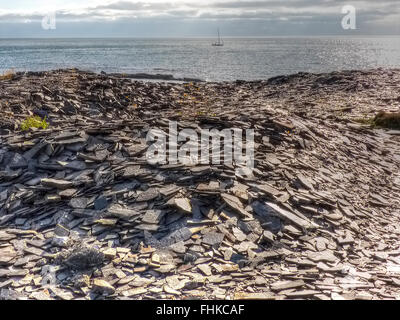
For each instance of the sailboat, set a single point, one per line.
(220, 42)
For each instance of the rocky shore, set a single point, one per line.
(83, 215)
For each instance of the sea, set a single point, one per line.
(238, 59)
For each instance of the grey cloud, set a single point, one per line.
(371, 13)
(127, 5)
(219, 9)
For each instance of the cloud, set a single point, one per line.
(379, 13)
(210, 9)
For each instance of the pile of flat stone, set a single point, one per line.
(83, 215)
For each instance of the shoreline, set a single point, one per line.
(171, 78)
(266, 58)
(80, 199)
(136, 76)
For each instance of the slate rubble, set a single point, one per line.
(83, 215)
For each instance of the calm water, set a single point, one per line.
(246, 59)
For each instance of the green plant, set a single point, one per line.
(389, 120)
(7, 75)
(366, 121)
(34, 122)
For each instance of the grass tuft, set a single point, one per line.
(34, 122)
(8, 75)
(389, 120)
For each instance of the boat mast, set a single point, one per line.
(219, 43)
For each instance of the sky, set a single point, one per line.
(199, 18)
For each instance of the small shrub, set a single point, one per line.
(388, 120)
(7, 75)
(366, 121)
(34, 122)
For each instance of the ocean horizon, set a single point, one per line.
(252, 58)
